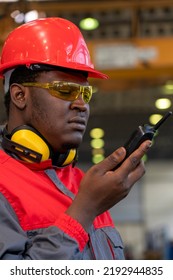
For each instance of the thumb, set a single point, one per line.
(111, 161)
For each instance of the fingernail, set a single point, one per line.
(121, 151)
(148, 145)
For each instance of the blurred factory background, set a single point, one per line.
(132, 42)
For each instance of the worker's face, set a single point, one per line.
(61, 122)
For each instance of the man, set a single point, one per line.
(49, 209)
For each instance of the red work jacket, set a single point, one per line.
(33, 222)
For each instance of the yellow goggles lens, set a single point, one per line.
(65, 90)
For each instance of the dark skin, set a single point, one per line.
(36, 107)
(63, 124)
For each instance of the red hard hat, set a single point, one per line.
(51, 41)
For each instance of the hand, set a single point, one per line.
(104, 185)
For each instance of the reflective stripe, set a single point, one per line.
(51, 173)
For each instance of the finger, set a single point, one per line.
(111, 161)
(134, 159)
(136, 174)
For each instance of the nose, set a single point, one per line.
(79, 104)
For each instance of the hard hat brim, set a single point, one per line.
(92, 73)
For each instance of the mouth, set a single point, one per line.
(78, 123)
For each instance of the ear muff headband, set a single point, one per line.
(69, 157)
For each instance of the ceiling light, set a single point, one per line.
(8, 1)
(97, 143)
(19, 18)
(36, 0)
(89, 23)
(97, 133)
(100, 151)
(163, 103)
(168, 88)
(15, 13)
(97, 158)
(155, 118)
(31, 15)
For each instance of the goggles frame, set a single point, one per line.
(64, 90)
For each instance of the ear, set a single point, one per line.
(18, 95)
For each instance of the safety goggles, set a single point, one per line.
(65, 90)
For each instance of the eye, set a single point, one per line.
(64, 91)
(86, 97)
(60, 88)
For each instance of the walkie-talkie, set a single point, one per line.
(142, 133)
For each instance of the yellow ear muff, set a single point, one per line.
(71, 156)
(33, 141)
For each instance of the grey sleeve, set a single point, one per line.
(43, 244)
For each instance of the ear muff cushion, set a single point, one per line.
(33, 141)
